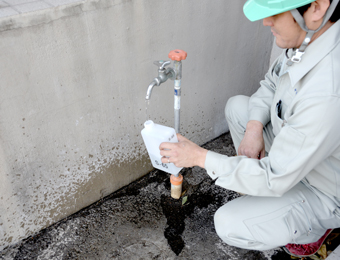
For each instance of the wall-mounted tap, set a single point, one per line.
(175, 74)
(163, 75)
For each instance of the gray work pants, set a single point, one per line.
(264, 223)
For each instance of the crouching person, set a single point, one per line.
(286, 135)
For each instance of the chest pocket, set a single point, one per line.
(277, 120)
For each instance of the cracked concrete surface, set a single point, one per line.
(142, 221)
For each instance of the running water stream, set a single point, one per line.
(147, 103)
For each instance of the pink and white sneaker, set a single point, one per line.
(303, 250)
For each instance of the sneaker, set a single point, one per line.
(303, 250)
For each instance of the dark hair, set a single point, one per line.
(335, 16)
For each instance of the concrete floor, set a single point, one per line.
(142, 221)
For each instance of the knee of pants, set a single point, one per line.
(236, 224)
(227, 222)
(236, 108)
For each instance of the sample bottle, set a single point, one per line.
(153, 135)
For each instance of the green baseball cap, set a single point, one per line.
(258, 9)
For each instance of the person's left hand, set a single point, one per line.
(184, 153)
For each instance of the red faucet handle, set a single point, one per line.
(178, 55)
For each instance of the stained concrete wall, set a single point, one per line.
(73, 80)
(275, 53)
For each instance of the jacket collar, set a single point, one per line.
(315, 52)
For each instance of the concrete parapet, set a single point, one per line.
(73, 80)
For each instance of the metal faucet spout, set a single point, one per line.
(155, 82)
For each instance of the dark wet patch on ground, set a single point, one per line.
(176, 211)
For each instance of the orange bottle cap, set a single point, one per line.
(176, 180)
(178, 55)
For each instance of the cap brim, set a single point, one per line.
(254, 10)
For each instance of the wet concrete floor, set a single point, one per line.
(142, 221)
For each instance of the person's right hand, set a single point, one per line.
(252, 144)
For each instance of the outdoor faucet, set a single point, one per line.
(149, 91)
(163, 75)
(173, 73)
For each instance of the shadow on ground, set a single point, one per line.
(142, 221)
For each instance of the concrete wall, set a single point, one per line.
(73, 81)
(276, 52)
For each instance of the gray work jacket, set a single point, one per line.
(307, 135)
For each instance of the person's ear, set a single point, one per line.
(318, 9)
(315, 13)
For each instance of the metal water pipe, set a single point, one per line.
(173, 73)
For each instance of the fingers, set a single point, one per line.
(165, 159)
(262, 154)
(183, 154)
(239, 152)
(166, 153)
(172, 146)
(166, 146)
(253, 155)
(168, 149)
(250, 153)
(169, 159)
(181, 138)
